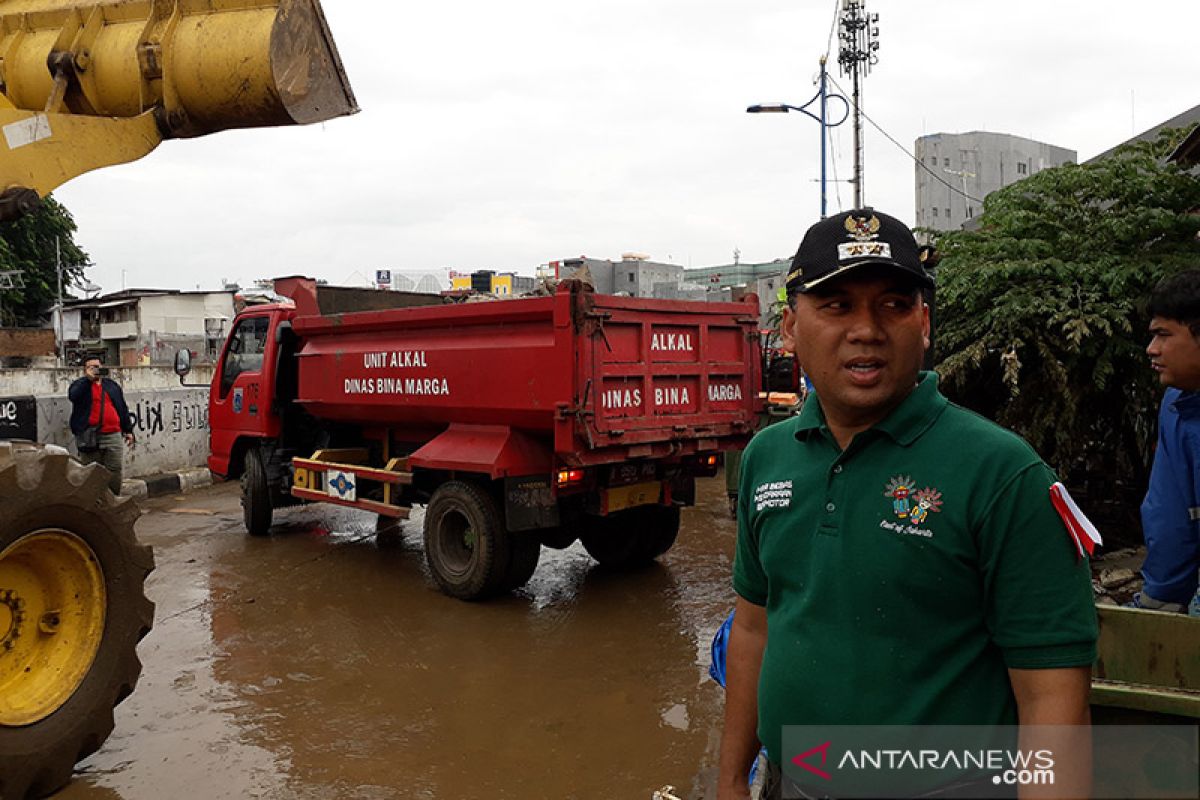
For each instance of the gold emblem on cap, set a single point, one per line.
(862, 228)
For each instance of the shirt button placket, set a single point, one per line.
(829, 525)
(830, 505)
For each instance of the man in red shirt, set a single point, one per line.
(98, 403)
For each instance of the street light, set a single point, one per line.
(822, 119)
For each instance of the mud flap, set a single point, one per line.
(529, 503)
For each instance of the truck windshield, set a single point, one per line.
(245, 350)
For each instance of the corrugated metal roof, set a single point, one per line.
(1188, 151)
(1189, 117)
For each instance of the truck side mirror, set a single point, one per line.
(183, 362)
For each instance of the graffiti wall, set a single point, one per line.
(18, 418)
(170, 427)
(170, 422)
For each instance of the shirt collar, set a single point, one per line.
(1186, 404)
(905, 424)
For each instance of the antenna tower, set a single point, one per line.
(859, 38)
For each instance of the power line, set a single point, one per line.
(915, 160)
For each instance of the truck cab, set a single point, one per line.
(243, 404)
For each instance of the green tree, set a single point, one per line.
(1042, 322)
(28, 244)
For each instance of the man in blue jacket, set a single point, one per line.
(97, 402)
(1171, 511)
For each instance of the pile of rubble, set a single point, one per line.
(1115, 576)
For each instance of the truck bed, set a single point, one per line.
(600, 373)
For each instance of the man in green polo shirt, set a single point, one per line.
(903, 552)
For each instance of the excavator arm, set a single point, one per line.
(92, 83)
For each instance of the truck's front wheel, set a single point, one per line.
(256, 494)
(72, 610)
(467, 547)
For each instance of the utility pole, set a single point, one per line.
(964, 174)
(62, 345)
(858, 53)
(823, 92)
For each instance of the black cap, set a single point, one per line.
(851, 239)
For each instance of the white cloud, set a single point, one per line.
(507, 135)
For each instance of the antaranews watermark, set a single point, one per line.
(1132, 762)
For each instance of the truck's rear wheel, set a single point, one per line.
(72, 610)
(256, 494)
(659, 527)
(467, 547)
(631, 537)
(523, 560)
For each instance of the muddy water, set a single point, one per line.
(315, 663)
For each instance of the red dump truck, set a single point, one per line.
(517, 423)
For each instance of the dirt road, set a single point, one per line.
(316, 664)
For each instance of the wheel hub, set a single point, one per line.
(12, 615)
(52, 579)
(458, 541)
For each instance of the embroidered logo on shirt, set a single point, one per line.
(899, 489)
(928, 501)
(911, 506)
(777, 494)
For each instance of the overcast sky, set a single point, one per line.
(506, 135)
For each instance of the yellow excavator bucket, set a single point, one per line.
(90, 83)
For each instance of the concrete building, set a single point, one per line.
(140, 327)
(764, 279)
(634, 275)
(974, 164)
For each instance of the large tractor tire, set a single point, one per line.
(469, 550)
(72, 611)
(256, 494)
(631, 538)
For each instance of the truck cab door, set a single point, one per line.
(239, 402)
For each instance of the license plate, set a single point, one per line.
(639, 494)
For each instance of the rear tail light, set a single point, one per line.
(569, 477)
(710, 461)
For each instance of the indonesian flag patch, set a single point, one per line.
(1083, 533)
